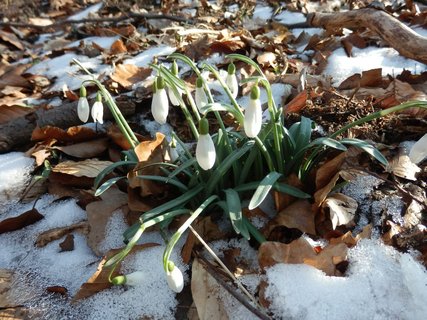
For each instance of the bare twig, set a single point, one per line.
(131, 15)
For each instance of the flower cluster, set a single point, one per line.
(83, 108)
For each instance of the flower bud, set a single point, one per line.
(253, 114)
(231, 80)
(205, 149)
(160, 103)
(419, 150)
(83, 106)
(174, 278)
(98, 109)
(132, 279)
(201, 98)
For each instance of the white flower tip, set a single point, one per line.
(160, 106)
(205, 152)
(83, 109)
(134, 278)
(175, 280)
(419, 150)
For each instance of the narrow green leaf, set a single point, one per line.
(263, 189)
(168, 180)
(288, 189)
(235, 212)
(329, 142)
(110, 169)
(368, 148)
(107, 184)
(183, 167)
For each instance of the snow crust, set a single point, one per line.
(381, 284)
(146, 57)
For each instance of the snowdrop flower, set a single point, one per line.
(83, 106)
(172, 97)
(205, 149)
(253, 114)
(98, 109)
(231, 80)
(160, 103)
(132, 279)
(174, 278)
(419, 150)
(201, 98)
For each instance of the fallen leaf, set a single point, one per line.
(87, 168)
(57, 289)
(328, 170)
(297, 103)
(13, 76)
(118, 47)
(99, 213)
(298, 215)
(8, 113)
(267, 59)
(328, 259)
(402, 166)
(342, 209)
(283, 200)
(99, 280)
(72, 134)
(393, 230)
(23, 220)
(413, 215)
(87, 149)
(48, 236)
(128, 74)
(68, 243)
(12, 39)
(227, 46)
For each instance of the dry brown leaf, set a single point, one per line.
(321, 194)
(342, 209)
(68, 243)
(118, 47)
(227, 46)
(23, 220)
(99, 280)
(128, 74)
(328, 170)
(413, 215)
(206, 294)
(13, 76)
(48, 236)
(57, 289)
(12, 39)
(297, 103)
(298, 215)
(328, 258)
(87, 149)
(267, 59)
(394, 230)
(99, 213)
(283, 200)
(8, 113)
(87, 168)
(402, 166)
(72, 134)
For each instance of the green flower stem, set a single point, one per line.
(254, 231)
(265, 153)
(192, 104)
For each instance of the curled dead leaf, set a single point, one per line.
(128, 74)
(72, 134)
(57, 233)
(23, 220)
(87, 168)
(87, 149)
(342, 209)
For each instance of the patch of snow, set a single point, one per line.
(262, 12)
(103, 42)
(114, 232)
(86, 12)
(15, 170)
(381, 284)
(340, 66)
(247, 253)
(146, 57)
(421, 31)
(310, 31)
(67, 73)
(288, 17)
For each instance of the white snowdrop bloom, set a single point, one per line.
(201, 98)
(174, 278)
(160, 103)
(205, 149)
(419, 150)
(83, 106)
(231, 80)
(172, 97)
(98, 109)
(253, 114)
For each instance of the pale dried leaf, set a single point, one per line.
(48, 236)
(402, 166)
(86, 168)
(413, 215)
(88, 149)
(328, 258)
(128, 74)
(298, 215)
(342, 209)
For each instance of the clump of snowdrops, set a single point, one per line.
(227, 166)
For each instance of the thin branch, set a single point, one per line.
(131, 15)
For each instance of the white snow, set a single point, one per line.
(65, 73)
(15, 169)
(310, 31)
(146, 57)
(288, 17)
(340, 66)
(103, 42)
(262, 12)
(85, 13)
(381, 284)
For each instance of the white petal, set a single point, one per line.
(205, 152)
(253, 118)
(160, 106)
(419, 150)
(98, 112)
(135, 278)
(83, 109)
(231, 82)
(175, 280)
(201, 99)
(172, 97)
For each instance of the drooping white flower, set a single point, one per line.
(83, 106)
(231, 80)
(205, 149)
(253, 114)
(98, 109)
(160, 103)
(201, 98)
(174, 278)
(172, 97)
(419, 150)
(131, 279)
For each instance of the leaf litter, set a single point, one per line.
(375, 274)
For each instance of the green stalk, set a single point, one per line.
(254, 231)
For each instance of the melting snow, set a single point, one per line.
(289, 17)
(103, 42)
(146, 57)
(381, 284)
(85, 13)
